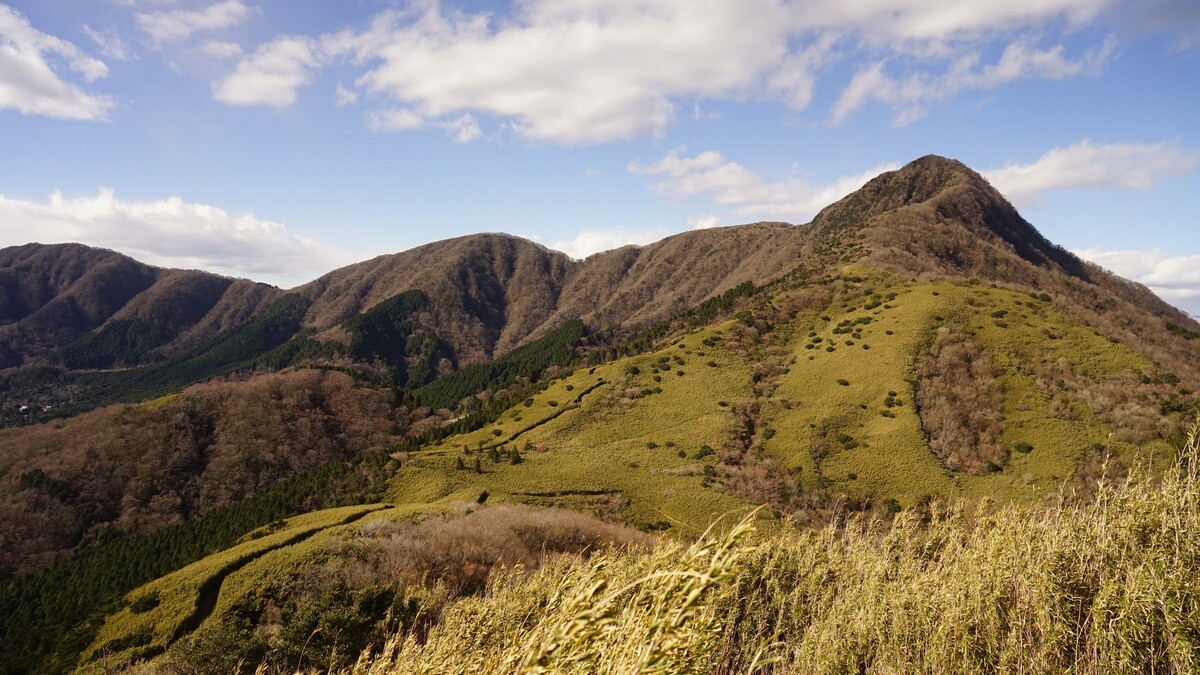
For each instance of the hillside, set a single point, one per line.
(78, 309)
(917, 342)
(50, 296)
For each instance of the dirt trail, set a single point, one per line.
(210, 590)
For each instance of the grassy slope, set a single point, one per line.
(177, 593)
(1103, 587)
(596, 443)
(586, 440)
(892, 459)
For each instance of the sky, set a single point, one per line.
(280, 139)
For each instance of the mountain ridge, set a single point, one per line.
(492, 292)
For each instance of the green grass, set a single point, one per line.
(892, 458)
(596, 440)
(129, 635)
(609, 440)
(1104, 587)
(279, 563)
(610, 444)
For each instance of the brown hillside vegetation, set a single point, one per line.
(492, 292)
(139, 468)
(351, 592)
(959, 399)
(52, 294)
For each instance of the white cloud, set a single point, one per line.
(221, 50)
(172, 233)
(109, 43)
(592, 71)
(343, 97)
(704, 221)
(180, 24)
(1093, 165)
(595, 241)
(747, 194)
(1174, 278)
(29, 80)
(922, 21)
(271, 75)
(393, 120)
(463, 129)
(911, 97)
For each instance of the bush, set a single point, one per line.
(844, 383)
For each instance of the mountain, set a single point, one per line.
(917, 341)
(50, 296)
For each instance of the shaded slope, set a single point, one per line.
(52, 295)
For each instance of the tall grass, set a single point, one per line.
(1107, 586)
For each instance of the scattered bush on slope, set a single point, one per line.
(1107, 586)
(959, 398)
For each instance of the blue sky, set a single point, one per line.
(280, 139)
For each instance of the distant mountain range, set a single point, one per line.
(489, 293)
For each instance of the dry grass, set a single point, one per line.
(1104, 587)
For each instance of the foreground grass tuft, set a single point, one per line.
(1107, 586)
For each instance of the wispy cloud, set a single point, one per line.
(109, 43)
(743, 192)
(180, 24)
(595, 71)
(911, 96)
(593, 241)
(172, 233)
(220, 50)
(30, 84)
(1087, 164)
(1175, 278)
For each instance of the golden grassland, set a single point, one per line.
(612, 434)
(1110, 586)
(623, 437)
(1013, 587)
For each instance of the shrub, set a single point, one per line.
(145, 603)
(844, 383)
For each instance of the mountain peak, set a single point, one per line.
(948, 212)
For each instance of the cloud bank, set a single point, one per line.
(1093, 165)
(1175, 278)
(594, 71)
(172, 233)
(744, 193)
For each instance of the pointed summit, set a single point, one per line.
(928, 203)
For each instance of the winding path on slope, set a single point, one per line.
(210, 590)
